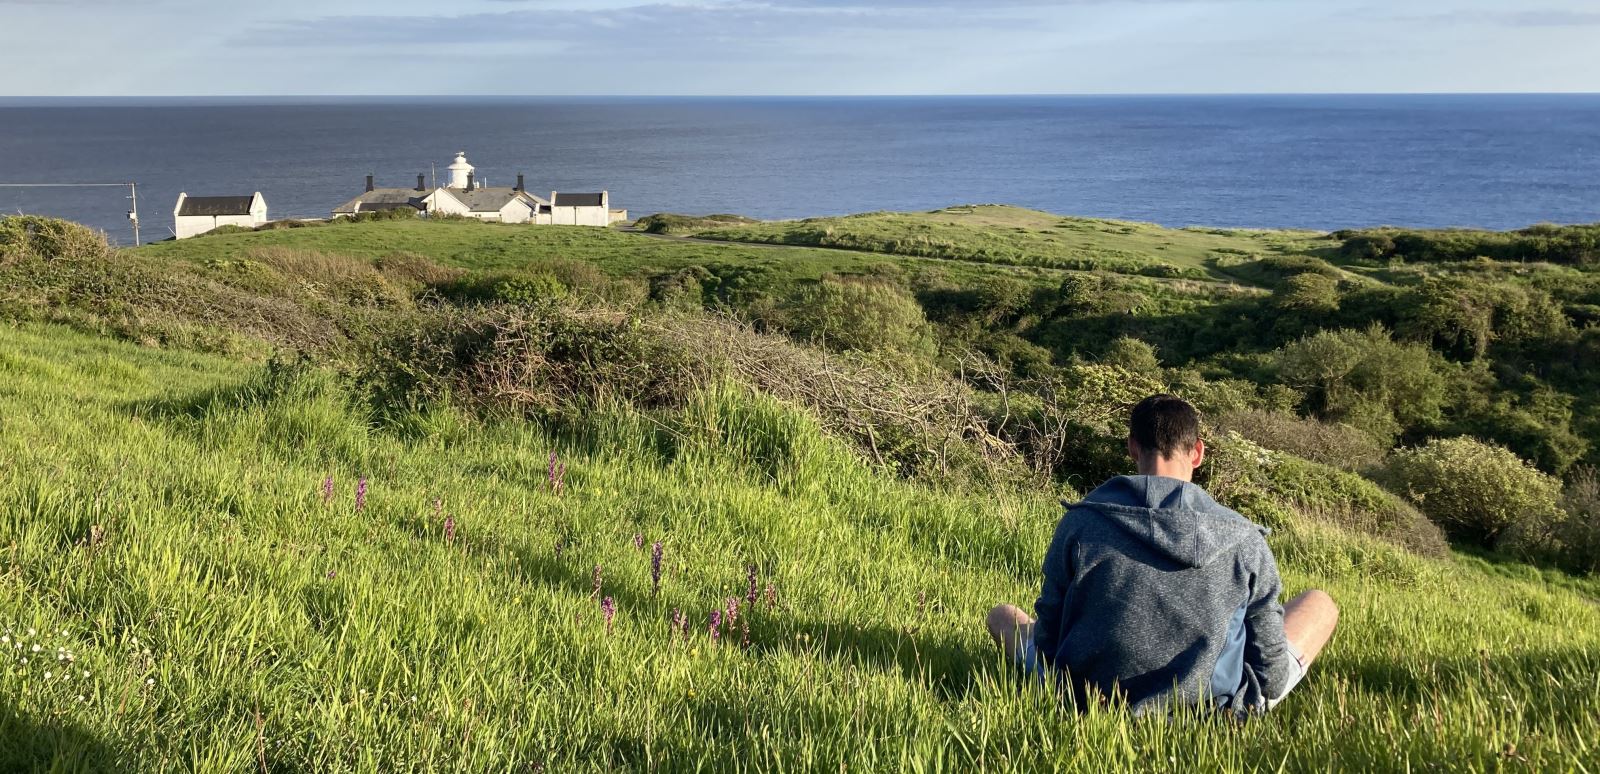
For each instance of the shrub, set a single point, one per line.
(1329, 443)
(1579, 532)
(1479, 493)
(848, 313)
(1279, 490)
(1367, 380)
(1132, 354)
(32, 236)
(1311, 293)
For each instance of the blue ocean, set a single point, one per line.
(1321, 162)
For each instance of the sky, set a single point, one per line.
(794, 47)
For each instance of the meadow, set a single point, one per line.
(256, 523)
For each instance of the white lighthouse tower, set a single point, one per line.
(461, 172)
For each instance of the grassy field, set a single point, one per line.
(963, 243)
(1013, 236)
(179, 594)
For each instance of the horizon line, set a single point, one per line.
(947, 95)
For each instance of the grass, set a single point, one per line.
(962, 244)
(166, 526)
(1013, 236)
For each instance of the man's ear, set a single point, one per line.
(1133, 449)
(1198, 455)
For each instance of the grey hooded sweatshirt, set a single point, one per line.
(1154, 590)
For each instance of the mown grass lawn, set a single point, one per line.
(178, 594)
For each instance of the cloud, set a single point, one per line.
(1548, 17)
(641, 28)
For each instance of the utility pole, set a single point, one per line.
(133, 214)
(133, 193)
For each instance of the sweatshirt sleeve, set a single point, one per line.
(1057, 573)
(1266, 648)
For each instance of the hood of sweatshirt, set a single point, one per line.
(1174, 518)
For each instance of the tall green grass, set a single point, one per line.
(165, 526)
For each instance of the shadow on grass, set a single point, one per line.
(34, 744)
(1547, 686)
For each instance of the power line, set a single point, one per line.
(133, 193)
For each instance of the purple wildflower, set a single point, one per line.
(732, 609)
(754, 591)
(744, 629)
(450, 529)
(332, 575)
(638, 541)
(556, 475)
(655, 568)
(361, 494)
(596, 592)
(559, 546)
(327, 489)
(608, 606)
(716, 624)
(680, 623)
(772, 596)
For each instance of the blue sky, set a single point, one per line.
(226, 47)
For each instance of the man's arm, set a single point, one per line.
(1057, 573)
(1266, 649)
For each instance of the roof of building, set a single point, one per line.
(382, 199)
(579, 200)
(491, 199)
(211, 206)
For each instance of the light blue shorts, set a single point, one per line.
(1032, 664)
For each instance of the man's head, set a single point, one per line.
(1164, 437)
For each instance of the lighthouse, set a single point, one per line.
(461, 172)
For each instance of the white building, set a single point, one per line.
(583, 209)
(195, 215)
(465, 195)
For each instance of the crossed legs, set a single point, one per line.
(1308, 623)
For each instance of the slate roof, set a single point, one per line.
(579, 200)
(489, 199)
(382, 199)
(212, 206)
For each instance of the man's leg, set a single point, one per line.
(1011, 629)
(1308, 622)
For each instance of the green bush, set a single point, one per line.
(848, 313)
(1367, 380)
(32, 236)
(1479, 493)
(1333, 444)
(1279, 490)
(1132, 354)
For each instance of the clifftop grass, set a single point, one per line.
(169, 531)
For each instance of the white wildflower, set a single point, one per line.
(85, 673)
(36, 647)
(47, 675)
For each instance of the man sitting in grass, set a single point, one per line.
(1154, 592)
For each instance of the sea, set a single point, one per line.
(1312, 161)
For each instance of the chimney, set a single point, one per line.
(369, 183)
(471, 181)
(422, 184)
(519, 182)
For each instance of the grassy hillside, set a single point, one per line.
(1013, 236)
(384, 496)
(168, 530)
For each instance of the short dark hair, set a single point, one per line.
(1164, 424)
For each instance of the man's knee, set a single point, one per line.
(1004, 619)
(1324, 602)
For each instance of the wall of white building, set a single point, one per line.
(185, 226)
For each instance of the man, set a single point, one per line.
(1155, 592)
